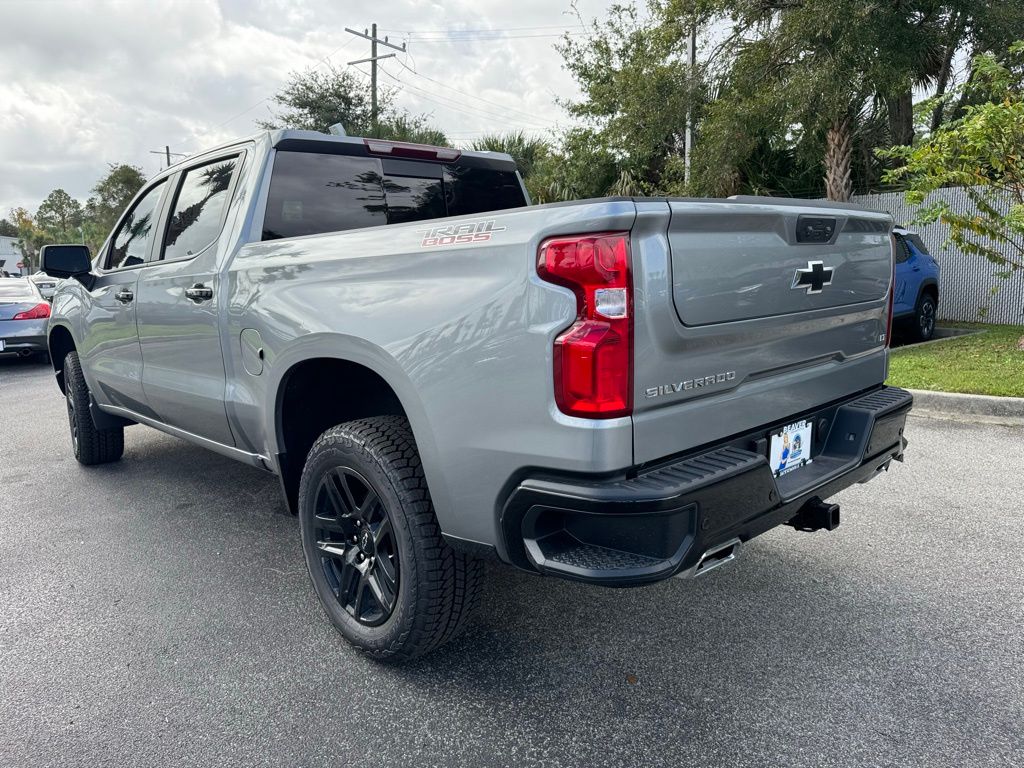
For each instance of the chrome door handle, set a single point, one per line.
(199, 292)
(124, 296)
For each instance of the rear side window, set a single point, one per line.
(478, 190)
(131, 241)
(919, 244)
(198, 209)
(902, 251)
(312, 193)
(413, 199)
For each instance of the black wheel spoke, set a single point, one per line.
(370, 507)
(349, 585)
(334, 496)
(380, 591)
(387, 570)
(382, 532)
(335, 550)
(344, 481)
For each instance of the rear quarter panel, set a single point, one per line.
(462, 332)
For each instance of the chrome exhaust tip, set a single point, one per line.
(714, 557)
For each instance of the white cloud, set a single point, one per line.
(87, 84)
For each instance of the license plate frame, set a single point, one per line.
(789, 448)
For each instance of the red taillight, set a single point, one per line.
(38, 312)
(594, 356)
(414, 151)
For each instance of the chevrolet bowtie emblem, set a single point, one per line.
(814, 278)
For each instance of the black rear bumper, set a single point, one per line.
(659, 521)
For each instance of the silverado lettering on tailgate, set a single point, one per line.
(698, 383)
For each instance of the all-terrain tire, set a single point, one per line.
(438, 588)
(90, 445)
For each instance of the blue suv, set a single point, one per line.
(917, 286)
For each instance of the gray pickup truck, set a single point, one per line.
(614, 391)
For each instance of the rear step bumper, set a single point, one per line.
(690, 515)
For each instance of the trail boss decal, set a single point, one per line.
(456, 234)
(698, 383)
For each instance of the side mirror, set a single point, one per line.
(65, 260)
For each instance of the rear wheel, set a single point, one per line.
(90, 445)
(385, 576)
(924, 318)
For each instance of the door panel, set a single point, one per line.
(110, 353)
(180, 341)
(179, 332)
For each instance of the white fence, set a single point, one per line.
(967, 282)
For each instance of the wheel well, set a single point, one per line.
(60, 343)
(316, 395)
(933, 290)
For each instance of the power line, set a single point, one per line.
(451, 30)
(447, 101)
(468, 95)
(491, 38)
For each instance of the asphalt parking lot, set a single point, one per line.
(157, 612)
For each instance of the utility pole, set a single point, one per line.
(371, 35)
(691, 60)
(166, 152)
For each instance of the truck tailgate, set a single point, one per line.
(749, 311)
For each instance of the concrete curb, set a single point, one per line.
(971, 408)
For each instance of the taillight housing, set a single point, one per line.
(38, 312)
(593, 358)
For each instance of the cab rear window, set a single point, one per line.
(311, 193)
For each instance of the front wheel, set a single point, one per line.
(385, 576)
(90, 444)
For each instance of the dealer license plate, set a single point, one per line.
(790, 448)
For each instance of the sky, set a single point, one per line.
(89, 83)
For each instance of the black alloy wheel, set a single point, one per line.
(926, 318)
(69, 398)
(357, 547)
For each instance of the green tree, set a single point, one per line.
(110, 197)
(59, 217)
(981, 151)
(8, 228)
(794, 100)
(637, 91)
(316, 99)
(30, 237)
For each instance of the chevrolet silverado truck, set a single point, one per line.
(615, 391)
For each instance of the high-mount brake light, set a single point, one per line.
(414, 151)
(38, 312)
(593, 358)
